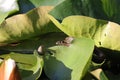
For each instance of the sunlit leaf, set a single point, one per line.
(69, 62)
(24, 26)
(99, 74)
(104, 33)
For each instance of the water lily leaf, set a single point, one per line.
(28, 46)
(6, 8)
(104, 33)
(26, 5)
(100, 9)
(69, 62)
(30, 65)
(24, 26)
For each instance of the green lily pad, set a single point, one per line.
(104, 33)
(69, 62)
(100, 9)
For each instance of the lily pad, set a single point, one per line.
(104, 33)
(69, 62)
(24, 26)
(100, 9)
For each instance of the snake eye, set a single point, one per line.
(98, 56)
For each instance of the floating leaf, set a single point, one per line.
(69, 62)
(100, 9)
(104, 33)
(24, 26)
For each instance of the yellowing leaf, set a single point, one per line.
(24, 26)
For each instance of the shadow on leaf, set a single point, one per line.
(55, 69)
